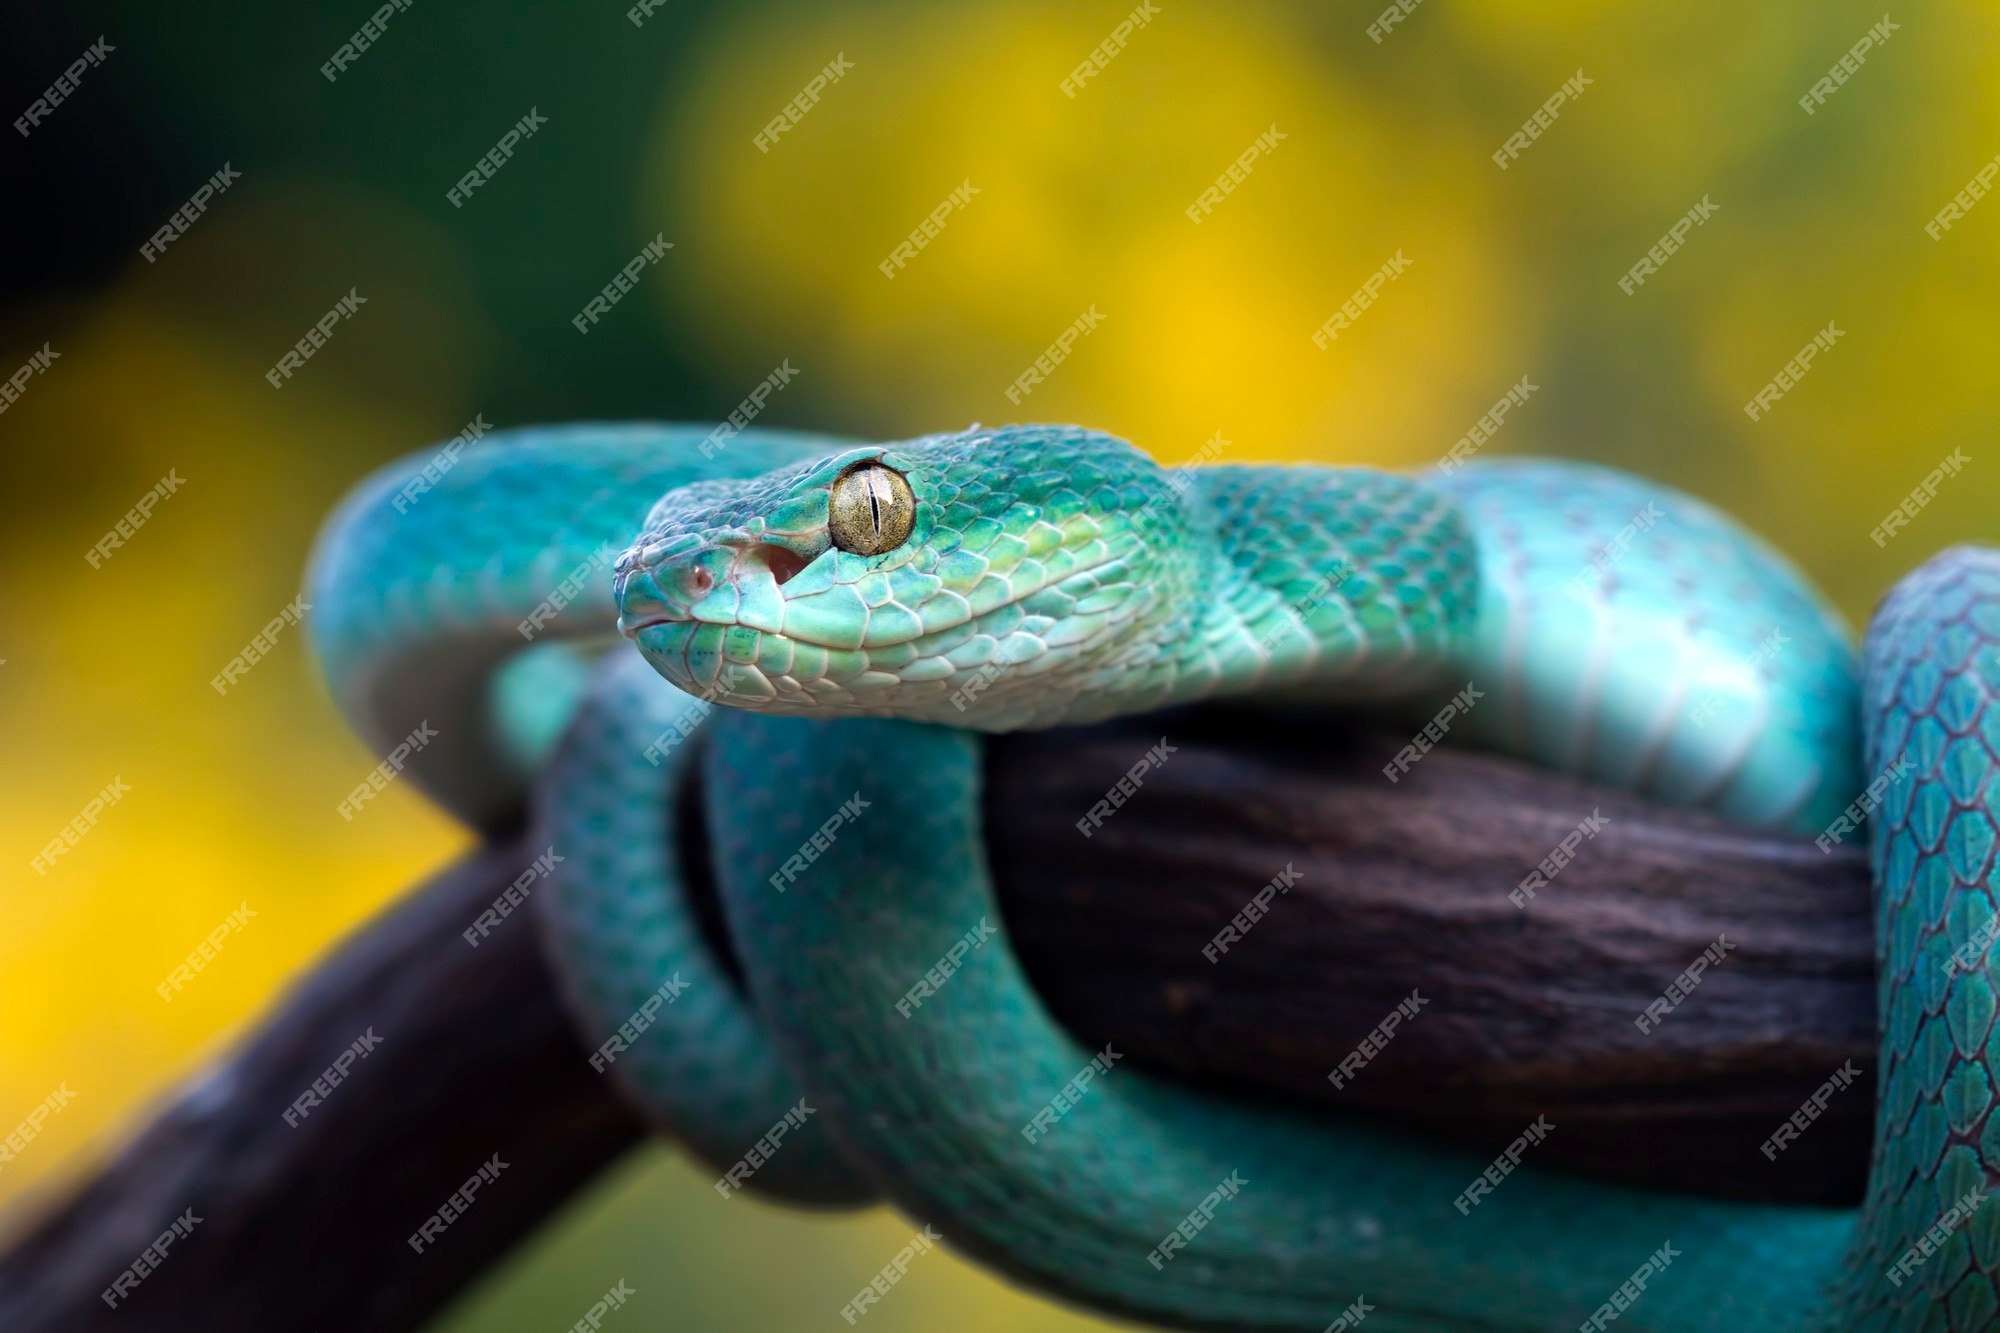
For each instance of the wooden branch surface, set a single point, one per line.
(1399, 887)
(1528, 1010)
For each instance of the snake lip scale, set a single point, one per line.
(863, 612)
(631, 631)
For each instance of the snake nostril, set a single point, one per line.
(698, 581)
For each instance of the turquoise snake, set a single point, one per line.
(881, 605)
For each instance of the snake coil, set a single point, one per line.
(1072, 579)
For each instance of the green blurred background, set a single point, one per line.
(1819, 218)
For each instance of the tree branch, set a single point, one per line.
(1398, 888)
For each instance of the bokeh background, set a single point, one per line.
(1080, 203)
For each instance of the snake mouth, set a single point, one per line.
(692, 623)
(645, 606)
(632, 630)
(639, 627)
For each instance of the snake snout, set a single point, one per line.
(641, 602)
(726, 583)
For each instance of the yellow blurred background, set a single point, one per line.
(1080, 205)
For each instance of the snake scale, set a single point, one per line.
(836, 623)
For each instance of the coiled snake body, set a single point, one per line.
(881, 604)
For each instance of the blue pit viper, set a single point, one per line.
(880, 605)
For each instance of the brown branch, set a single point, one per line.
(1399, 887)
(1529, 1011)
(306, 1226)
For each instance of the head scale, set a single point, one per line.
(983, 579)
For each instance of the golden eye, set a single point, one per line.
(871, 509)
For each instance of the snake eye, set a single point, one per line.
(871, 510)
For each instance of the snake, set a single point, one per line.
(577, 619)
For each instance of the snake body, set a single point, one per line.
(1585, 619)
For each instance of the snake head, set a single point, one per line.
(976, 578)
